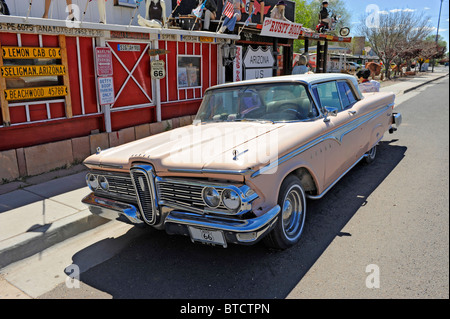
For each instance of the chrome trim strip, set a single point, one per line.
(222, 223)
(104, 165)
(330, 135)
(210, 171)
(337, 180)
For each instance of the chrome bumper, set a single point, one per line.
(235, 230)
(396, 122)
(113, 210)
(397, 119)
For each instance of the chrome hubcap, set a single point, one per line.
(373, 152)
(293, 213)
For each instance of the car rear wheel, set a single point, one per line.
(289, 226)
(370, 155)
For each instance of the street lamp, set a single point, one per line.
(228, 53)
(437, 32)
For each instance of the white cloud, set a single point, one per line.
(383, 12)
(426, 8)
(399, 10)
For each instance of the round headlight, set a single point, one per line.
(230, 199)
(103, 182)
(211, 197)
(92, 181)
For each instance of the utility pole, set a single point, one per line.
(437, 32)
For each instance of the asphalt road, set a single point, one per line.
(381, 232)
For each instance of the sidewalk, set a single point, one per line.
(46, 209)
(406, 84)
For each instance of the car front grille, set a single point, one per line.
(144, 186)
(120, 186)
(183, 194)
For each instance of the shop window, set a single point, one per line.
(189, 75)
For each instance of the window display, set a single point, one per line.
(189, 71)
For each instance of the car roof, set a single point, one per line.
(311, 78)
(305, 78)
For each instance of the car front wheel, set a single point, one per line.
(289, 227)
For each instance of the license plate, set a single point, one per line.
(208, 236)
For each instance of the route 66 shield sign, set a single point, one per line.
(158, 69)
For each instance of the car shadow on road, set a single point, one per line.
(156, 265)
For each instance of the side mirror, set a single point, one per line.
(329, 111)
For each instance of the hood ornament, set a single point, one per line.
(236, 154)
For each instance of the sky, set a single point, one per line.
(430, 8)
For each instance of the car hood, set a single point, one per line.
(224, 146)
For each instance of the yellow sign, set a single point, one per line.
(206, 39)
(35, 93)
(31, 53)
(32, 70)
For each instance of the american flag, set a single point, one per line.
(229, 10)
(178, 2)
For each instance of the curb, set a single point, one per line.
(424, 83)
(39, 239)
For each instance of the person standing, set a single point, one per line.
(300, 67)
(47, 7)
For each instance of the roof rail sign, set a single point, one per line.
(281, 28)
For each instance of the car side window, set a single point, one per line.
(346, 93)
(328, 95)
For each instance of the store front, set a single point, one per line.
(59, 82)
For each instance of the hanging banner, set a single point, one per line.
(237, 65)
(32, 70)
(280, 28)
(35, 93)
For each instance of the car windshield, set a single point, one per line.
(263, 102)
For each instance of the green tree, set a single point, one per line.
(307, 13)
(304, 15)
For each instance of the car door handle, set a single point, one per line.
(352, 112)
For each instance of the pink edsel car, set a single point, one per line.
(243, 171)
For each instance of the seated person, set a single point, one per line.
(365, 85)
(324, 14)
(278, 11)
